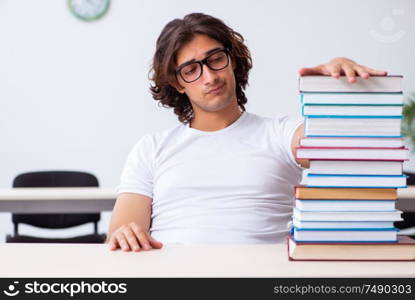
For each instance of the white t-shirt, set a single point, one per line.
(230, 186)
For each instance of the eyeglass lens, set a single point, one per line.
(216, 62)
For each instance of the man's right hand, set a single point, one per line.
(132, 237)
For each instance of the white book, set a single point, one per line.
(374, 142)
(357, 167)
(351, 110)
(345, 235)
(353, 153)
(342, 224)
(345, 205)
(317, 83)
(347, 216)
(356, 181)
(379, 127)
(352, 98)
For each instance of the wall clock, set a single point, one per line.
(88, 10)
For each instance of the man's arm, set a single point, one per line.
(298, 134)
(336, 67)
(130, 223)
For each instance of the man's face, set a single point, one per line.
(214, 90)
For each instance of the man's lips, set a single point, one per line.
(216, 89)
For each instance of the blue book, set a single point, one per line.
(341, 110)
(316, 98)
(339, 224)
(353, 126)
(350, 216)
(355, 181)
(345, 235)
(345, 205)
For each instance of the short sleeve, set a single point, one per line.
(137, 175)
(285, 128)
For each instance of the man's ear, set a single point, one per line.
(178, 88)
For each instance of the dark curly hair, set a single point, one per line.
(179, 32)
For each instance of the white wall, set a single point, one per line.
(74, 95)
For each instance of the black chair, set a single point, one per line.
(55, 221)
(408, 217)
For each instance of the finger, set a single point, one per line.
(136, 229)
(375, 72)
(122, 241)
(349, 72)
(132, 239)
(361, 72)
(317, 70)
(113, 244)
(144, 242)
(156, 244)
(334, 70)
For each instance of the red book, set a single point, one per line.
(352, 142)
(403, 250)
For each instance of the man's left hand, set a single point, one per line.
(342, 66)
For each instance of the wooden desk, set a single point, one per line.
(82, 200)
(57, 200)
(96, 260)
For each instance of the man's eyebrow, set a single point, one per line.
(206, 54)
(213, 50)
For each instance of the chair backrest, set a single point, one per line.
(410, 179)
(55, 179)
(408, 217)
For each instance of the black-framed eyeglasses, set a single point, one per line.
(193, 70)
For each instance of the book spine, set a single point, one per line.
(354, 117)
(403, 148)
(348, 104)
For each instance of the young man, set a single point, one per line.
(224, 175)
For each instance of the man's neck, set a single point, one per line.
(213, 121)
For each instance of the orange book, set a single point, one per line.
(345, 193)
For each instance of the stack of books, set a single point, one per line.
(356, 152)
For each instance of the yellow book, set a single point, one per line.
(346, 193)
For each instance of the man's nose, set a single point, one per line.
(209, 76)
